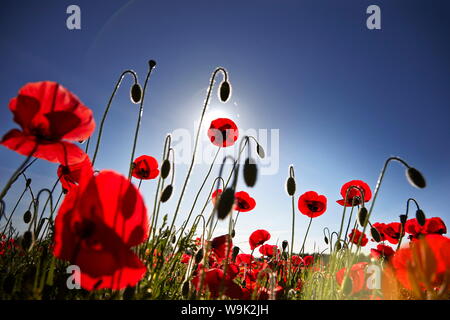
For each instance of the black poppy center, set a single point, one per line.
(314, 206)
(243, 204)
(85, 229)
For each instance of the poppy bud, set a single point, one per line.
(27, 240)
(174, 239)
(233, 233)
(415, 178)
(326, 240)
(224, 91)
(136, 93)
(337, 246)
(420, 216)
(250, 172)
(152, 63)
(362, 216)
(403, 218)
(167, 193)
(185, 288)
(235, 253)
(284, 245)
(128, 293)
(28, 182)
(199, 256)
(27, 216)
(290, 186)
(225, 204)
(375, 234)
(165, 169)
(260, 151)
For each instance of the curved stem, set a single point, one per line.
(402, 226)
(306, 235)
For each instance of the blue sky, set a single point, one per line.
(343, 97)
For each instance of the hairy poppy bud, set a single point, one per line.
(250, 172)
(136, 93)
(199, 255)
(284, 245)
(415, 178)
(225, 204)
(326, 239)
(152, 63)
(338, 246)
(174, 239)
(27, 240)
(167, 193)
(185, 288)
(290, 186)
(165, 169)
(233, 233)
(27, 216)
(260, 151)
(403, 218)
(375, 234)
(420, 216)
(224, 91)
(235, 253)
(362, 216)
(128, 293)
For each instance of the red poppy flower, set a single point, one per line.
(382, 251)
(244, 202)
(185, 258)
(70, 175)
(312, 204)
(426, 260)
(297, 260)
(244, 258)
(258, 238)
(97, 225)
(213, 280)
(354, 195)
(145, 168)
(268, 250)
(433, 225)
(219, 246)
(308, 260)
(392, 232)
(357, 276)
(223, 132)
(215, 195)
(49, 115)
(355, 235)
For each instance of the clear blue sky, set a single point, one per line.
(343, 97)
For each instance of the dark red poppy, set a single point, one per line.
(244, 259)
(223, 132)
(355, 235)
(382, 252)
(426, 260)
(96, 227)
(185, 258)
(268, 250)
(357, 276)
(297, 260)
(219, 246)
(258, 238)
(215, 195)
(145, 168)
(433, 225)
(49, 115)
(392, 232)
(244, 202)
(312, 204)
(70, 175)
(354, 195)
(213, 279)
(308, 260)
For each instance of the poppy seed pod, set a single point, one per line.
(136, 93)
(375, 234)
(165, 169)
(225, 204)
(362, 216)
(167, 193)
(284, 245)
(235, 253)
(260, 151)
(420, 216)
(290, 186)
(250, 172)
(224, 91)
(415, 178)
(27, 216)
(403, 218)
(199, 256)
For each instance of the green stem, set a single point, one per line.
(306, 235)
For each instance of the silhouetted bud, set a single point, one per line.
(224, 91)
(362, 216)
(165, 169)
(284, 245)
(174, 239)
(403, 218)
(167, 193)
(152, 64)
(28, 182)
(326, 239)
(27, 240)
(233, 233)
(420, 216)
(27, 216)
(260, 151)
(226, 202)
(290, 186)
(250, 172)
(375, 234)
(185, 288)
(415, 178)
(136, 93)
(199, 256)
(235, 253)
(338, 246)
